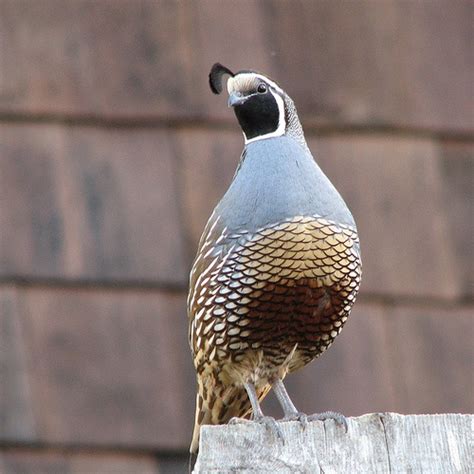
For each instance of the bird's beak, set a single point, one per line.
(236, 98)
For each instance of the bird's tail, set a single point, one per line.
(216, 406)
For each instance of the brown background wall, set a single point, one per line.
(113, 152)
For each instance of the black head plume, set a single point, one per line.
(215, 77)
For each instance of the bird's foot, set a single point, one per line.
(339, 418)
(236, 421)
(297, 416)
(268, 421)
(271, 425)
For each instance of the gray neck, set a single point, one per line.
(279, 179)
(293, 124)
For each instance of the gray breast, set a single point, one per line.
(279, 179)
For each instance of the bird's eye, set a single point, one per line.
(262, 88)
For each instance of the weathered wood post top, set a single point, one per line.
(374, 443)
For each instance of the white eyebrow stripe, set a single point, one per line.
(250, 75)
(274, 85)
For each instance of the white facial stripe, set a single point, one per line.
(270, 83)
(281, 122)
(249, 76)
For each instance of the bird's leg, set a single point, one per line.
(292, 414)
(252, 394)
(289, 409)
(257, 414)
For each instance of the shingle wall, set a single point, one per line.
(113, 153)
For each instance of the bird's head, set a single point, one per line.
(262, 107)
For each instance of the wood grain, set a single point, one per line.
(386, 442)
(352, 63)
(89, 204)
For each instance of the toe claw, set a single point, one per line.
(268, 421)
(272, 426)
(298, 416)
(236, 420)
(339, 418)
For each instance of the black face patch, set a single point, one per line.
(258, 116)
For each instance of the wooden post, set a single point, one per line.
(374, 443)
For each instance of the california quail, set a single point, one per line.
(278, 266)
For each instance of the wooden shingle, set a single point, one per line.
(362, 63)
(109, 368)
(16, 404)
(61, 462)
(89, 204)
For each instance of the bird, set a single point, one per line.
(278, 266)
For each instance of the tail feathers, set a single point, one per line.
(203, 416)
(192, 461)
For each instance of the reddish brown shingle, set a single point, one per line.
(94, 204)
(106, 207)
(17, 422)
(109, 368)
(51, 462)
(432, 358)
(364, 63)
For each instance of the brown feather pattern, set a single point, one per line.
(265, 303)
